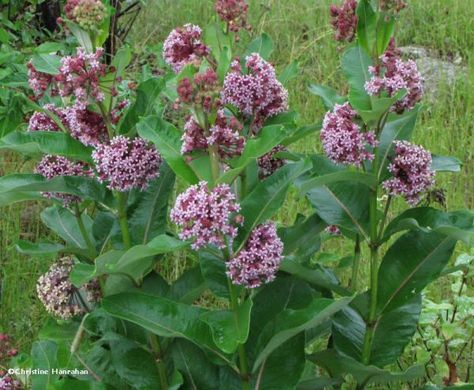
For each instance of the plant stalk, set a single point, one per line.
(355, 265)
(160, 364)
(122, 214)
(244, 371)
(82, 228)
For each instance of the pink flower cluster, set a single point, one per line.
(79, 76)
(234, 13)
(343, 142)
(225, 134)
(258, 261)
(7, 382)
(411, 170)
(85, 125)
(344, 20)
(269, 163)
(59, 295)
(7, 350)
(258, 93)
(88, 14)
(203, 90)
(183, 46)
(41, 121)
(204, 215)
(126, 164)
(57, 166)
(393, 75)
(333, 230)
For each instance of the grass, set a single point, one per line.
(301, 32)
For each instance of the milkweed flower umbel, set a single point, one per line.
(57, 166)
(344, 20)
(88, 14)
(269, 163)
(59, 296)
(204, 215)
(342, 139)
(257, 93)
(234, 13)
(39, 82)
(42, 121)
(411, 170)
(85, 125)
(183, 46)
(126, 163)
(258, 262)
(7, 382)
(393, 75)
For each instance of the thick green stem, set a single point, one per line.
(244, 371)
(355, 265)
(122, 214)
(160, 364)
(82, 228)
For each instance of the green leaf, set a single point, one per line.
(65, 225)
(217, 40)
(289, 323)
(82, 36)
(339, 365)
(198, 370)
(147, 92)
(47, 248)
(161, 316)
(229, 329)
(355, 66)
(267, 197)
(329, 96)
(189, 286)
(167, 139)
(385, 30)
(44, 357)
(302, 240)
(393, 330)
(457, 224)
(414, 260)
(121, 60)
(214, 272)
(149, 218)
(318, 277)
(397, 128)
(366, 26)
(283, 368)
(446, 164)
(290, 72)
(48, 142)
(354, 176)
(262, 45)
(266, 140)
(46, 63)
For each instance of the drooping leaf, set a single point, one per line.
(189, 286)
(214, 272)
(46, 142)
(262, 45)
(366, 26)
(267, 197)
(414, 260)
(44, 357)
(288, 73)
(149, 218)
(46, 63)
(329, 96)
(446, 164)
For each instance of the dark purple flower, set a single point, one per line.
(41, 121)
(257, 93)
(202, 90)
(342, 139)
(411, 170)
(126, 164)
(57, 166)
(85, 125)
(57, 293)
(234, 13)
(269, 163)
(257, 263)
(204, 215)
(39, 82)
(183, 46)
(344, 20)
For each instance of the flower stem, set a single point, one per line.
(155, 346)
(244, 371)
(82, 228)
(122, 214)
(355, 265)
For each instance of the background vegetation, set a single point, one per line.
(301, 32)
